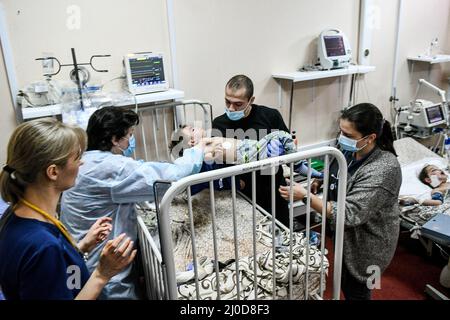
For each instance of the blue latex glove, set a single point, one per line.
(302, 168)
(275, 148)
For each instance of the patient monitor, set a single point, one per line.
(423, 114)
(145, 73)
(333, 49)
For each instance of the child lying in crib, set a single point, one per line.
(436, 179)
(233, 151)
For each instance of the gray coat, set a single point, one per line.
(371, 215)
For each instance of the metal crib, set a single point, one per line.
(158, 261)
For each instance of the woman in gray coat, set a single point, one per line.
(371, 206)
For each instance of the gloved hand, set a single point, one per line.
(275, 148)
(302, 168)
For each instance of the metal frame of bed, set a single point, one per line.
(159, 267)
(158, 257)
(426, 239)
(159, 121)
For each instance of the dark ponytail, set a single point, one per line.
(386, 140)
(368, 119)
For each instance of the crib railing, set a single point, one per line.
(155, 281)
(160, 267)
(159, 121)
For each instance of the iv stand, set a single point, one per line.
(77, 77)
(75, 64)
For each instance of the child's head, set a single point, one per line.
(186, 136)
(432, 176)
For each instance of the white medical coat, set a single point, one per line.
(109, 185)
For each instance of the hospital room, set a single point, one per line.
(232, 151)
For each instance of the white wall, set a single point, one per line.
(415, 36)
(113, 27)
(7, 118)
(216, 39)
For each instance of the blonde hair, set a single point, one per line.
(32, 148)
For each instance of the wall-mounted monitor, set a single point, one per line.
(145, 73)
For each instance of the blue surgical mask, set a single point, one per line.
(236, 115)
(349, 144)
(128, 152)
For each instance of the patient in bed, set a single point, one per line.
(227, 150)
(436, 179)
(233, 151)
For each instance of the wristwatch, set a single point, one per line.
(305, 199)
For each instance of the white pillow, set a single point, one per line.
(411, 185)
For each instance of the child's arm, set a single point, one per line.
(220, 150)
(431, 203)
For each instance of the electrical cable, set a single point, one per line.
(116, 78)
(444, 253)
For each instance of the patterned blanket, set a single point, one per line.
(181, 237)
(419, 214)
(264, 274)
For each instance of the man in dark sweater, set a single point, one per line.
(245, 120)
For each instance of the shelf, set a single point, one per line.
(439, 58)
(54, 110)
(170, 94)
(299, 76)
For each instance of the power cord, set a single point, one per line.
(116, 78)
(444, 253)
(310, 67)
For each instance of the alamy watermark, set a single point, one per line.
(229, 158)
(73, 21)
(73, 277)
(374, 279)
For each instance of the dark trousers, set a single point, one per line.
(352, 288)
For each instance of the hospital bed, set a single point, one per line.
(158, 122)
(412, 157)
(234, 258)
(219, 244)
(418, 219)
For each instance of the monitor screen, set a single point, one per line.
(434, 114)
(334, 46)
(146, 70)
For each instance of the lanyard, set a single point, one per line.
(337, 174)
(55, 221)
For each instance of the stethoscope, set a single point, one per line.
(336, 177)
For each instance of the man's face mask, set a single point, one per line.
(435, 181)
(350, 144)
(236, 115)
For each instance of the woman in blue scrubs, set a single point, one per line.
(39, 258)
